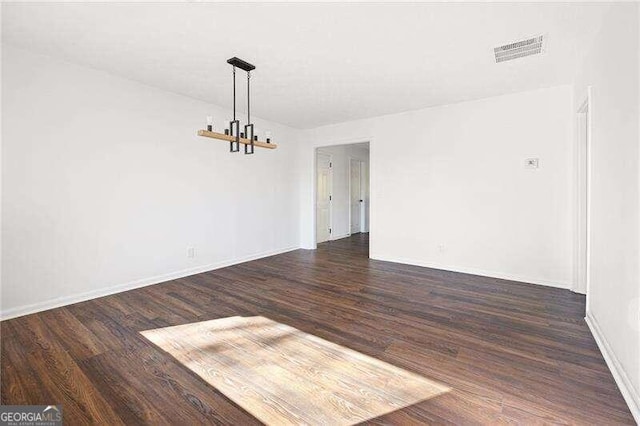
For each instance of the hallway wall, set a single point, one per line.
(613, 299)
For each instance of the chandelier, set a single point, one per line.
(232, 133)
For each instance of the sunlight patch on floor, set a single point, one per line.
(282, 375)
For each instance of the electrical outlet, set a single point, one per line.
(441, 248)
(191, 252)
(532, 163)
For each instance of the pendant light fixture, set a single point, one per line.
(233, 134)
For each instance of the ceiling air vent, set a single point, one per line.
(519, 49)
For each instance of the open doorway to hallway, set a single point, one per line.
(342, 191)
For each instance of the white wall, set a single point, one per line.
(611, 69)
(449, 188)
(105, 185)
(340, 157)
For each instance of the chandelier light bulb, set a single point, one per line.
(209, 123)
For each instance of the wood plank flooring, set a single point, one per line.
(284, 376)
(510, 352)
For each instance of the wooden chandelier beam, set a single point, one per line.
(228, 138)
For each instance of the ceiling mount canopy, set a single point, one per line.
(239, 63)
(232, 134)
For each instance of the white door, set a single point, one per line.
(356, 195)
(323, 197)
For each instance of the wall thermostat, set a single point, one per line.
(532, 163)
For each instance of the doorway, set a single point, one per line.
(342, 191)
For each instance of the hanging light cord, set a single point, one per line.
(234, 93)
(248, 98)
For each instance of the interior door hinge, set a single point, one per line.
(330, 164)
(329, 230)
(329, 197)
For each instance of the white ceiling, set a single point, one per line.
(317, 63)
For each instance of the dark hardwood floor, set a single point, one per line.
(511, 352)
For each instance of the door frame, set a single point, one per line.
(315, 198)
(583, 160)
(309, 230)
(360, 164)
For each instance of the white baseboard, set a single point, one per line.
(339, 237)
(106, 291)
(474, 271)
(622, 380)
